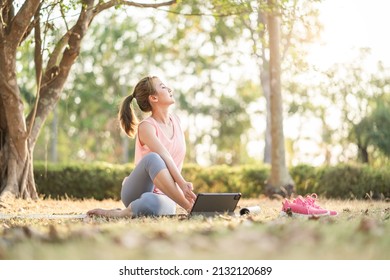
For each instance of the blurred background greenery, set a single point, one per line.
(215, 64)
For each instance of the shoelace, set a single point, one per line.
(308, 201)
(311, 201)
(300, 200)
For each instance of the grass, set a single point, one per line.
(360, 231)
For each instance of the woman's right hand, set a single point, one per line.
(187, 189)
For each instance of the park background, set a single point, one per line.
(215, 55)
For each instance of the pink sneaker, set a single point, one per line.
(299, 207)
(311, 200)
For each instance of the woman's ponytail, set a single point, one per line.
(142, 91)
(127, 119)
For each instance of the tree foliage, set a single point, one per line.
(373, 130)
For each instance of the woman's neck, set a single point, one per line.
(161, 116)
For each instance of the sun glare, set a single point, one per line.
(350, 25)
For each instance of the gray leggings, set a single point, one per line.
(137, 189)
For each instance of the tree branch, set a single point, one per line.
(38, 65)
(104, 6)
(289, 35)
(222, 15)
(59, 65)
(56, 54)
(21, 21)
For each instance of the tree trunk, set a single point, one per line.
(18, 135)
(54, 137)
(363, 153)
(280, 181)
(265, 83)
(16, 170)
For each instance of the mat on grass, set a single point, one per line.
(42, 216)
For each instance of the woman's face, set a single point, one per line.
(164, 93)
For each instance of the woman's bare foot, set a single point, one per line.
(112, 213)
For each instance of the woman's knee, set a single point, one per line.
(152, 157)
(153, 163)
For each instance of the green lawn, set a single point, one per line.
(360, 231)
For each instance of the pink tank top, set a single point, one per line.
(176, 145)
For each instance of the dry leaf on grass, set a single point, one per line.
(369, 225)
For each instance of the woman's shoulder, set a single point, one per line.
(147, 123)
(146, 128)
(148, 120)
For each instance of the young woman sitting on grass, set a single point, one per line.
(156, 184)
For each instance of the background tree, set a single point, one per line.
(381, 132)
(361, 133)
(373, 130)
(298, 27)
(338, 101)
(279, 178)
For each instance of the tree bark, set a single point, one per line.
(16, 164)
(16, 177)
(279, 181)
(363, 154)
(265, 84)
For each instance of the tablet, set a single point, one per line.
(211, 204)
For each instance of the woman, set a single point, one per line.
(155, 185)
